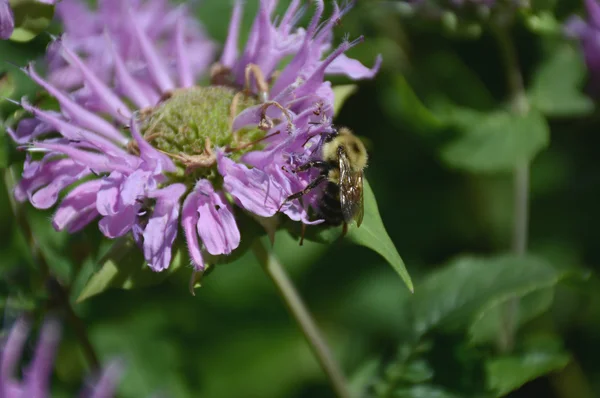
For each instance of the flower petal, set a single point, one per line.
(106, 386)
(7, 20)
(49, 179)
(37, 375)
(189, 219)
(107, 201)
(161, 230)
(216, 224)
(78, 208)
(343, 65)
(12, 350)
(252, 188)
(118, 224)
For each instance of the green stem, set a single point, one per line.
(288, 292)
(56, 290)
(520, 106)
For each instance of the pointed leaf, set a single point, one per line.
(372, 234)
(124, 267)
(457, 294)
(556, 87)
(539, 357)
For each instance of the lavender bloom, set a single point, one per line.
(36, 376)
(141, 147)
(7, 19)
(588, 34)
(87, 32)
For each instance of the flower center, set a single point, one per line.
(191, 122)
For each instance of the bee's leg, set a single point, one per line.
(309, 187)
(345, 229)
(303, 231)
(318, 164)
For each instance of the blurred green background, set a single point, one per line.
(448, 211)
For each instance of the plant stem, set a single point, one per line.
(521, 209)
(276, 272)
(520, 106)
(56, 290)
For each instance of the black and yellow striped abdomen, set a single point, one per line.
(330, 208)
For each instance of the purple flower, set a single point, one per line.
(7, 19)
(140, 146)
(91, 33)
(588, 34)
(36, 376)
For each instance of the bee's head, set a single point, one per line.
(354, 149)
(342, 142)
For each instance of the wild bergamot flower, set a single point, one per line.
(91, 32)
(36, 376)
(139, 145)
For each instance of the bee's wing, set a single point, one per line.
(351, 191)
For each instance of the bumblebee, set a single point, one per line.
(343, 158)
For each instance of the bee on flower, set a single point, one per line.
(143, 148)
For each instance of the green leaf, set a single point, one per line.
(451, 79)
(423, 391)
(54, 245)
(556, 86)
(3, 149)
(124, 267)
(454, 296)
(375, 297)
(372, 234)
(541, 356)
(341, 93)
(7, 85)
(458, 116)
(543, 23)
(31, 19)
(363, 377)
(489, 320)
(402, 104)
(498, 142)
